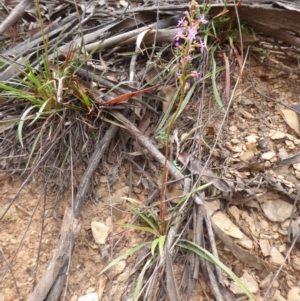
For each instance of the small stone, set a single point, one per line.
(118, 268)
(89, 297)
(248, 281)
(233, 128)
(245, 242)
(100, 232)
(276, 257)
(226, 225)
(265, 247)
(296, 263)
(294, 294)
(235, 141)
(251, 146)
(274, 135)
(263, 224)
(268, 155)
(266, 282)
(251, 138)
(236, 212)
(247, 156)
(297, 166)
(102, 284)
(290, 145)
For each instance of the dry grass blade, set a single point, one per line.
(170, 279)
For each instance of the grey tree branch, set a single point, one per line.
(15, 15)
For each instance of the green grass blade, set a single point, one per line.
(154, 245)
(139, 282)
(21, 123)
(139, 228)
(209, 257)
(123, 256)
(161, 243)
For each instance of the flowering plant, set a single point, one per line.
(187, 41)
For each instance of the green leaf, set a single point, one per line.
(139, 228)
(209, 257)
(21, 123)
(140, 280)
(123, 256)
(162, 240)
(154, 245)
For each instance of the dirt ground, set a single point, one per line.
(253, 118)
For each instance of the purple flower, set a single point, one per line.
(177, 44)
(186, 13)
(178, 35)
(201, 45)
(181, 22)
(202, 19)
(178, 74)
(188, 58)
(195, 74)
(192, 31)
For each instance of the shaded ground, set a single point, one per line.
(251, 115)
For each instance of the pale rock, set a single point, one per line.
(290, 145)
(245, 242)
(100, 232)
(296, 263)
(109, 223)
(263, 224)
(226, 225)
(250, 223)
(282, 153)
(285, 225)
(248, 281)
(277, 210)
(118, 268)
(294, 294)
(102, 284)
(276, 257)
(297, 166)
(235, 212)
(89, 297)
(235, 149)
(235, 141)
(274, 135)
(124, 276)
(266, 282)
(247, 156)
(233, 128)
(265, 247)
(251, 138)
(73, 298)
(268, 156)
(278, 297)
(297, 141)
(251, 146)
(103, 179)
(282, 248)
